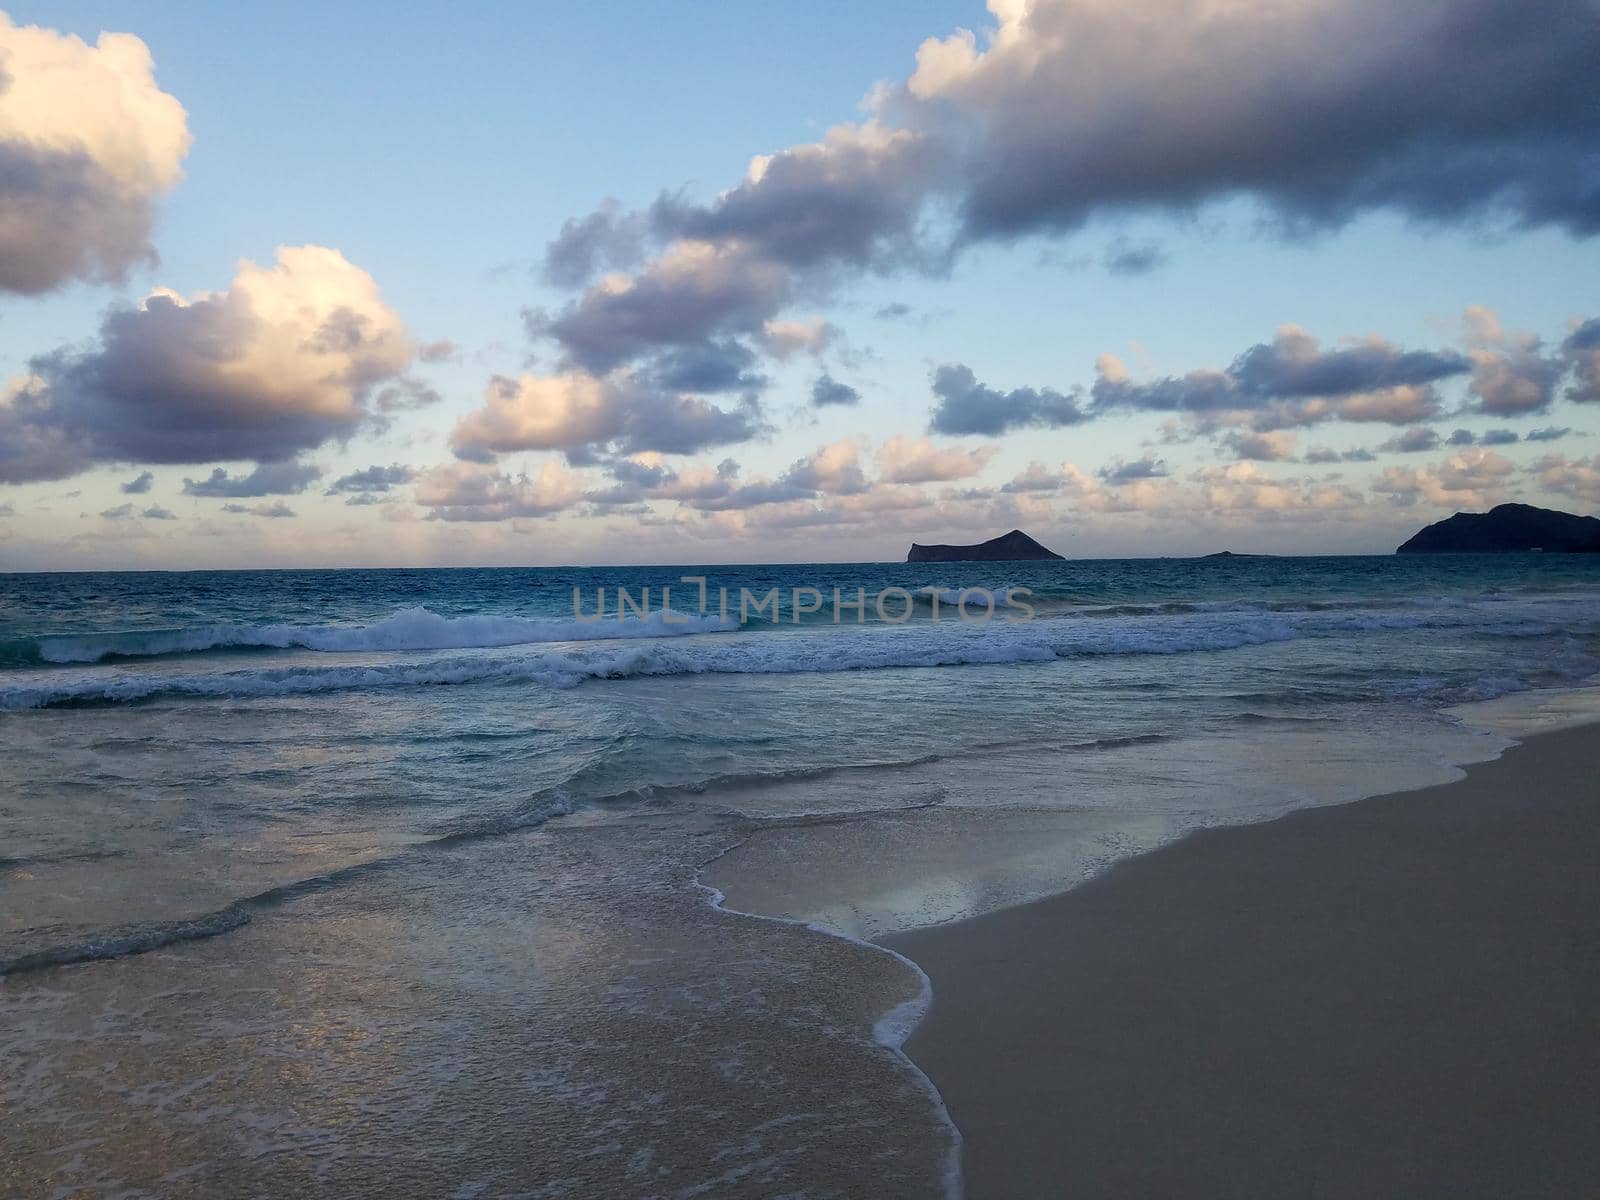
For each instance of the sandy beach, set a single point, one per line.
(1395, 997)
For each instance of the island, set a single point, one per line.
(1015, 546)
(1508, 529)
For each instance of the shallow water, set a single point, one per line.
(381, 883)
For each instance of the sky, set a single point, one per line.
(717, 283)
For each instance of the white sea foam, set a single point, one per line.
(408, 629)
(807, 649)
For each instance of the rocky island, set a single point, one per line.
(1508, 529)
(1015, 546)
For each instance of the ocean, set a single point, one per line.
(428, 882)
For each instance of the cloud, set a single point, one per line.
(88, 143)
(1277, 445)
(902, 459)
(269, 479)
(156, 513)
(831, 470)
(139, 485)
(784, 339)
(1069, 110)
(1421, 440)
(1582, 352)
(1578, 478)
(608, 239)
(1473, 478)
(120, 513)
(471, 492)
(277, 510)
(1291, 381)
(696, 292)
(967, 406)
(834, 469)
(1550, 433)
(405, 394)
(1510, 374)
(1124, 257)
(1326, 454)
(1440, 112)
(577, 412)
(1035, 478)
(281, 362)
(725, 366)
(372, 479)
(828, 390)
(1119, 472)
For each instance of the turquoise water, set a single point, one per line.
(425, 843)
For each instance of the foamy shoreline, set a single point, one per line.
(1518, 716)
(1042, 1056)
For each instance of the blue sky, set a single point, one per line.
(439, 151)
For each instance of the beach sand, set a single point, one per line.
(1396, 997)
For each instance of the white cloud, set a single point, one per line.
(282, 361)
(902, 459)
(88, 142)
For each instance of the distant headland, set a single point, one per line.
(1015, 546)
(1508, 528)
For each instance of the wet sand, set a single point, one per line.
(1397, 997)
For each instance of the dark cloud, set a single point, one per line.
(828, 390)
(139, 485)
(1292, 381)
(967, 406)
(1498, 437)
(120, 513)
(712, 366)
(852, 198)
(686, 425)
(405, 395)
(1551, 433)
(1419, 441)
(372, 479)
(1148, 467)
(1325, 454)
(1582, 352)
(1123, 257)
(894, 311)
(156, 513)
(684, 300)
(277, 509)
(1294, 366)
(1438, 111)
(269, 479)
(608, 239)
(66, 217)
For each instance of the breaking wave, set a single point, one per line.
(408, 629)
